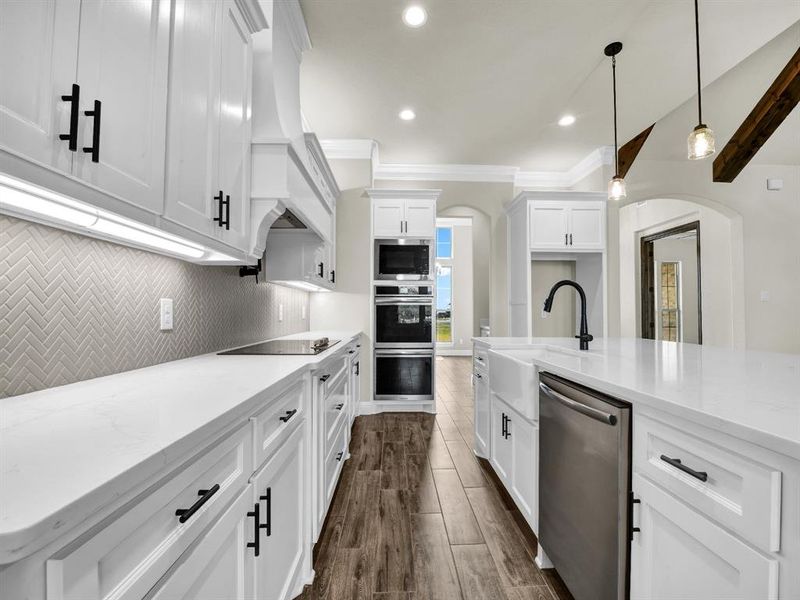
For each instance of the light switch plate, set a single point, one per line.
(166, 314)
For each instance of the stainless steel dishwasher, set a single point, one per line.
(584, 487)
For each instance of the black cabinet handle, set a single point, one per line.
(570, 239)
(94, 150)
(74, 110)
(256, 514)
(289, 414)
(351, 351)
(227, 222)
(268, 525)
(339, 406)
(630, 517)
(321, 271)
(339, 456)
(205, 495)
(333, 275)
(503, 427)
(358, 368)
(508, 431)
(566, 239)
(325, 377)
(218, 219)
(478, 375)
(676, 462)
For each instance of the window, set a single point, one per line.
(444, 304)
(444, 242)
(670, 302)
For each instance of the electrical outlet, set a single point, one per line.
(280, 313)
(166, 314)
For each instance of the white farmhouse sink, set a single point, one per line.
(514, 380)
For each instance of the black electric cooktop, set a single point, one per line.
(286, 347)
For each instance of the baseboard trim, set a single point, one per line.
(376, 407)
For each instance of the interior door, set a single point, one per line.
(38, 61)
(704, 560)
(387, 216)
(194, 117)
(123, 62)
(220, 565)
(587, 225)
(236, 58)
(420, 217)
(278, 488)
(548, 225)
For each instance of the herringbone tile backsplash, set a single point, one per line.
(73, 308)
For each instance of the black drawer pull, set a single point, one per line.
(205, 495)
(478, 375)
(321, 267)
(268, 525)
(351, 351)
(219, 218)
(289, 414)
(358, 368)
(676, 462)
(256, 514)
(339, 406)
(325, 377)
(227, 222)
(333, 275)
(74, 112)
(94, 150)
(339, 456)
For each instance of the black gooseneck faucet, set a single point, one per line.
(585, 337)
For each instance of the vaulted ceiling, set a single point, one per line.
(489, 80)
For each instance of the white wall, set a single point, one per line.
(561, 320)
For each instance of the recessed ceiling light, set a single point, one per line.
(407, 114)
(415, 16)
(566, 120)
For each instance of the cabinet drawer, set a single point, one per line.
(129, 555)
(327, 376)
(336, 407)
(281, 413)
(480, 359)
(739, 493)
(333, 464)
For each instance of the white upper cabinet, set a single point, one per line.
(208, 187)
(38, 60)
(387, 218)
(567, 225)
(403, 213)
(123, 61)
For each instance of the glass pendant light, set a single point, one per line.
(616, 187)
(701, 139)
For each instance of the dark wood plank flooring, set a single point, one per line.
(417, 517)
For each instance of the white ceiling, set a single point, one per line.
(489, 80)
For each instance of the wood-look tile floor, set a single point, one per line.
(416, 517)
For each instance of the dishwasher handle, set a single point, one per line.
(597, 415)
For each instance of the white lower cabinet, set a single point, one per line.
(679, 554)
(278, 492)
(222, 564)
(482, 415)
(502, 453)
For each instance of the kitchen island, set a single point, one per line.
(731, 417)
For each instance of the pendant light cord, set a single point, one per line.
(697, 46)
(614, 79)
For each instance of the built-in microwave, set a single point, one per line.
(403, 260)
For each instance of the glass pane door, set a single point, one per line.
(444, 304)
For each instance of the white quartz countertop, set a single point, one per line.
(68, 451)
(751, 395)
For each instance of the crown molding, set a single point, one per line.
(416, 194)
(296, 25)
(349, 149)
(367, 149)
(253, 15)
(446, 172)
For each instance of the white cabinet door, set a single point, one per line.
(387, 218)
(587, 226)
(525, 467)
(38, 61)
(502, 455)
(355, 385)
(278, 489)
(482, 416)
(679, 554)
(236, 59)
(420, 219)
(193, 117)
(123, 63)
(221, 564)
(548, 228)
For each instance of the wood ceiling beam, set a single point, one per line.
(629, 151)
(774, 106)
